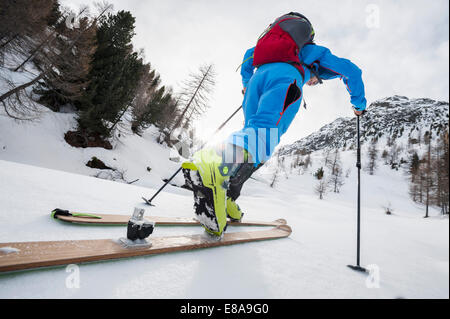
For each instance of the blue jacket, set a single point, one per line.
(328, 67)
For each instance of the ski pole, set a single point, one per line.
(358, 267)
(149, 201)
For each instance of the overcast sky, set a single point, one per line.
(401, 46)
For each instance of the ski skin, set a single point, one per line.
(112, 219)
(30, 255)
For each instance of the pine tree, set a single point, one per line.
(153, 113)
(414, 165)
(113, 78)
(319, 173)
(417, 177)
(152, 104)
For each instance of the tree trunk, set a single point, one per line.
(428, 178)
(180, 118)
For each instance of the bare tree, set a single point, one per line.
(297, 161)
(19, 18)
(46, 69)
(194, 96)
(321, 188)
(348, 172)
(148, 83)
(417, 169)
(326, 156)
(44, 43)
(393, 155)
(277, 170)
(385, 156)
(439, 166)
(67, 81)
(373, 156)
(428, 173)
(335, 167)
(307, 161)
(442, 170)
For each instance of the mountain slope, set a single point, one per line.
(397, 117)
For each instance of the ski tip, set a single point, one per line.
(59, 212)
(285, 228)
(281, 221)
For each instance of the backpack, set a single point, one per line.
(283, 40)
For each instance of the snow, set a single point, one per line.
(9, 250)
(42, 143)
(39, 172)
(410, 252)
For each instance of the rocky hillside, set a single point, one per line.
(394, 117)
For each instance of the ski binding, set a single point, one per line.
(138, 229)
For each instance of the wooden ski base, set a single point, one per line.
(29, 255)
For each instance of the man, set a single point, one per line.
(286, 58)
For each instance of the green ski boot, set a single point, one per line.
(233, 211)
(208, 177)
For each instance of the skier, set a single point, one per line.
(286, 58)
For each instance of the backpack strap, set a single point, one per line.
(299, 68)
(313, 71)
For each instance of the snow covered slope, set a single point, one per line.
(410, 252)
(42, 143)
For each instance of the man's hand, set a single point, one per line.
(243, 91)
(358, 113)
(313, 81)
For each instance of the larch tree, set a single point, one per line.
(194, 96)
(373, 156)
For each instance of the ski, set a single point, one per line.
(29, 255)
(113, 219)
